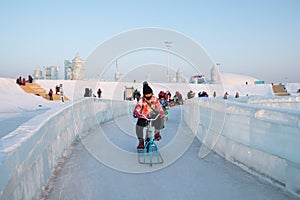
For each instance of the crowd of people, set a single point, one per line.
(149, 106)
(23, 81)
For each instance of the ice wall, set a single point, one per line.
(260, 139)
(26, 170)
(283, 102)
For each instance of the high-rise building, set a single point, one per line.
(74, 70)
(215, 75)
(68, 70)
(77, 66)
(179, 76)
(51, 73)
(38, 74)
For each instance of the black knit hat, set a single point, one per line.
(147, 89)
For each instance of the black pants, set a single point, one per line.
(141, 123)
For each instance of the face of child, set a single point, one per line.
(148, 96)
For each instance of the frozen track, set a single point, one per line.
(82, 176)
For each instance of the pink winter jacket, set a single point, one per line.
(143, 108)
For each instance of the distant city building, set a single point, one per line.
(179, 76)
(74, 70)
(38, 74)
(215, 75)
(68, 70)
(51, 73)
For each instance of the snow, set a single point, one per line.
(237, 79)
(36, 133)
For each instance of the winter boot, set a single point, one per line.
(141, 144)
(157, 136)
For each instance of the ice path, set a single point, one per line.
(82, 176)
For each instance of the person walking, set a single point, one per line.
(50, 94)
(99, 92)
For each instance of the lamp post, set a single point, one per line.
(168, 44)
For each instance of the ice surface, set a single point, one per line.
(84, 176)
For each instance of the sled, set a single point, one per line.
(150, 157)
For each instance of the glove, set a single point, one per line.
(136, 115)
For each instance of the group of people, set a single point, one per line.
(22, 81)
(88, 92)
(191, 94)
(59, 90)
(149, 106)
(237, 95)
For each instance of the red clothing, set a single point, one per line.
(143, 108)
(23, 81)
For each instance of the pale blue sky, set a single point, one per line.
(258, 38)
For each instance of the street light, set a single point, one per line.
(168, 44)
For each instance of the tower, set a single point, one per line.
(38, 74)
(215, 75)
(77, 68)
(117, 74)
(54, 72)
(68, 70)
(47, 73)
(179, 76)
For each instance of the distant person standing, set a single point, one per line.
(225, 95)
(57, 89)
(23, 81)
(169, 95)
(237, 95)
(99, 92)
(20, 80)
(50, 95)
(30, 79)
(136, 95)
(215, 94)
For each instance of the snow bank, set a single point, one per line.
(14, 100)
(259, 139)
(27, 168)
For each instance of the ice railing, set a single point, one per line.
(260, 139)
(27, 169)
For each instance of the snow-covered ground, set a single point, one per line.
(23, 114)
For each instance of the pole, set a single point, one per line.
(168, 45)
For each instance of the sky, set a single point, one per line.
(259, 38)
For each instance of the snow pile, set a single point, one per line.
(237, 79)
(14, 100)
